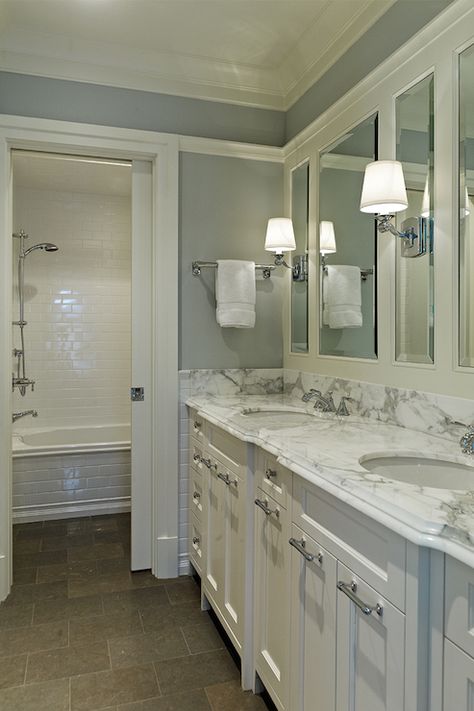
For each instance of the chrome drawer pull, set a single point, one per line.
(301, 548)
(196, 496)
(195, 540)
(270, 472)
(226, 479)
(206, 462)
(350, 590)
(197, 425)
(264, 506)
(197, 459)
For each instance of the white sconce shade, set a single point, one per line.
(383, 191)
(466, 208)
(280, 236)
(425, 205)
(327, 237)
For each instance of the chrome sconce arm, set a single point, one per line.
(384, 224)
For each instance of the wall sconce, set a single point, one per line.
(280, 238)
(327, 240)
(384, 194)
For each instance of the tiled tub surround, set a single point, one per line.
(65, 484)
(226, 382)
(77, 307)
(326, 451)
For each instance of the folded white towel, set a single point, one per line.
(343, 297)
(235, 293)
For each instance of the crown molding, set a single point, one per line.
(308, 72)
(277, 88)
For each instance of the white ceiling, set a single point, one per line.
(255, 52)
(72, 174)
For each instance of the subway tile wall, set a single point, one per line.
(78, 342)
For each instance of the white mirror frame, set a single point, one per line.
(434, 49)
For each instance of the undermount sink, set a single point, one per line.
(421, 471)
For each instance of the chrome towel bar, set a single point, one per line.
(198, 265)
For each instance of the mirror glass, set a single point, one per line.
(465, 205)
(347, 243)
(299, 284)
(414, 298)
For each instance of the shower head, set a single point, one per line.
(46, 246)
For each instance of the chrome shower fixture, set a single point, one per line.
(20, 380)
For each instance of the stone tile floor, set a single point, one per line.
(79, 632)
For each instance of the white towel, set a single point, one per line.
(343, 297)
(235, 293)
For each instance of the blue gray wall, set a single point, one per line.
(224, 207)
(26, 95)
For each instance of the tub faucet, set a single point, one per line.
(324, 403)
(17, 415)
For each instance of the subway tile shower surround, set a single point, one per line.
(77, 307)
(78, 345)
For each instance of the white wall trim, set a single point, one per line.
(230, 149)
(162, 150)
(433, 50)
(402, 58)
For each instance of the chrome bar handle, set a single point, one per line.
(265, 508)
(197, 426)
(197, 459)
(206, 462)
(196, 496)
(350, 590)
(269, 473)
(301, 548)
(195, 541)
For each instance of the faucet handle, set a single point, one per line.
(342, 410)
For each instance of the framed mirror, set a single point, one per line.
(414, 265)
(465, 207)
(348, 247)
(299, 283)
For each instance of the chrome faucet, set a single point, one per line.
(17, 415)
(467, 441)
(324, 403)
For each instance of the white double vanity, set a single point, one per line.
(339, 588)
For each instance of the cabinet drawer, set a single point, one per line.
(372, 551)
(459, 604)
(273, 478)
(195, 501)
(229, 450)
(197, 426)
(196, 453)
(195, 546)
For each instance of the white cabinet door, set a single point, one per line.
(272, 598)
(370, 648)
(224, 546)
(234, 553)
(458, 679)
(214, 543)
(313, 626)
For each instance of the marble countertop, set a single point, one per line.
(326, 450)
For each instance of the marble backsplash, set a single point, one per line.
(235, 381)
(416, 410)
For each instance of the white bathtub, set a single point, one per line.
(68, 440)
(70, 471)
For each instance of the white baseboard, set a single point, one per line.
(45, 512)
(4, 577)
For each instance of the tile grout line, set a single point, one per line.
(185, 640)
